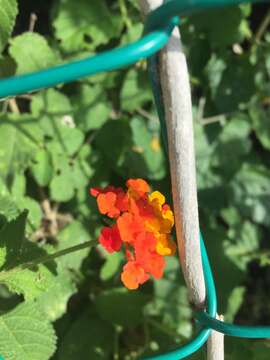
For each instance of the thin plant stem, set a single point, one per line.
(124, 12)
(262, 28)
(44, 259)
(117, 331)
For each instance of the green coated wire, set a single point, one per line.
(106, 61)
(159, 17)
(251, 332)
(199, 340)
(159, 26)
(160, 23)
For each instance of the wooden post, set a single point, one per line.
(176, 95)
(178, 115)
(215, 344)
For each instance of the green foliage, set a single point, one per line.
(25, 334)
(110, 305)
(132, 96)
(92, 107)
(8, 12)
(15, 251)
(42, 167)
(82, 25)
(57, 142)
(95, 339)
(31, 52)
(18, 142)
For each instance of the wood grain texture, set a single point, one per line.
(215, 345)
(176, 95)
(174, 81)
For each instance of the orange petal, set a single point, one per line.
(129, 227)
(122, 201)
(133, 275)
(106, 204)
(138, 187)
(155, 265)
(110, 239)
(165, 246)
(95, 191)
(145, 242)
(156, 199)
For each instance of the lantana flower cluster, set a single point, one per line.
(143, 223)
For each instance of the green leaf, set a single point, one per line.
(236, 86)
(244, 240)
(73, 234)
(133, 34)
(15, 250)
(34, 211)
(20, 138)
(234, 303)
(69, 174)
(92, 108)
(204, 152)
(87, 335)
(8, 207)
(214, 70)
(61, 188)
(223, 27)
(221, 264)
(31, 52)
(18, 186)
(114, 132)
(110, 305)
(7, 66)
(135, 91)
(42, 167)
(8, 13)
(111, 266)
(261, 124)
(251, 193)
(26, 335)
(54, 112)
(170, 302)
(53, 302)
(51, 106)
(23, 202)
(238, 348)
(232, 145)
(146, 155)
(85, 25)
(136, 145)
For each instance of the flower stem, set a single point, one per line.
(44, 259)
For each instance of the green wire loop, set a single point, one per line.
(251, 332)
(199, 340)
(158, 28)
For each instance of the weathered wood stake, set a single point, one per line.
(176, 95)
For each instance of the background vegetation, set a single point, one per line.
(56, 143)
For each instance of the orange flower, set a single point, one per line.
(133, 275)
(129, 227)
(137, 187)
(143, 223)
(110, 239)
(111, 201)
(165, 246)
(147, 257)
